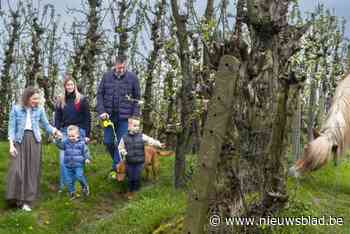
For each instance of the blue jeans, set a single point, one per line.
(133, 172)
(63, 169)
(112, 146)
(75, 174)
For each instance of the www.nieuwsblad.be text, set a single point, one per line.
(216, 220)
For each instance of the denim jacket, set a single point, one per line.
(17, 123)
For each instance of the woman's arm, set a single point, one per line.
(12, 125)
(86, 116)
(45, 123)
(58, 116)
(11, 131)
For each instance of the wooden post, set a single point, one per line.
(219, 114)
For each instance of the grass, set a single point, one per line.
(104, 211)
(322, 193)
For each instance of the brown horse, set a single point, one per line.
(334, 138)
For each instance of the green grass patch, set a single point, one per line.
(323, 193)
(104, 211)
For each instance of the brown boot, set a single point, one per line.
(130, 195)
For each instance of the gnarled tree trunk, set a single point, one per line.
(186, 95)
(254, 163)
(5, 89)
(157, 45)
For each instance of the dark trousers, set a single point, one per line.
(133, 172)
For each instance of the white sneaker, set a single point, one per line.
(293, 172)
(26, 207)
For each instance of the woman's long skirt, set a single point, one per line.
(23, 177)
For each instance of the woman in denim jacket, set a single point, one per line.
(23, 178)
(72, 109)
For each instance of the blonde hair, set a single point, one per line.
(62, 98)
(73, 128)
(134, 119)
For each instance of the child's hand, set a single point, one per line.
(87, 161)
(162, 145)
(57, 135)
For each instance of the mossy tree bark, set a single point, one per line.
(213, 138)
(48, 82)
(5, 89)
(152, 62)
(34, 66)
(186, 95)
(91, 50)
(254, 164)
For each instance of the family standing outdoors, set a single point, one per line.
(117, 99)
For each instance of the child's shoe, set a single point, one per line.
(293, 172)
(130, 195)
(86, 191)
(26, 207)
(72, 196)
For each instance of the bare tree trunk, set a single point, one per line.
(5, 89)
(312, 107)
(261, 112)
(296, 130)
(122, 27)
(186, 95)
(207, 84)
(78, 53)
(274, 41)
(157, 45)
(33, 64)
(48, 83)
(169, 96)
(91, 50)
(213, 139)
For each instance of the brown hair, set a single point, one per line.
(121, 59)
(27, 94)
(62, 98)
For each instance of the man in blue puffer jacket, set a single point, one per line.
(76, 154)
(117, 99)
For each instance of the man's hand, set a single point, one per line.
(13, 151)
(104, 116)
(87, 139)
(87, 161)
(162, 145)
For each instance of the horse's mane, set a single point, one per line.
(334, 135)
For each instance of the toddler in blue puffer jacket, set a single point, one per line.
(76, 154)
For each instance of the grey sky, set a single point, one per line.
(341, 7)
